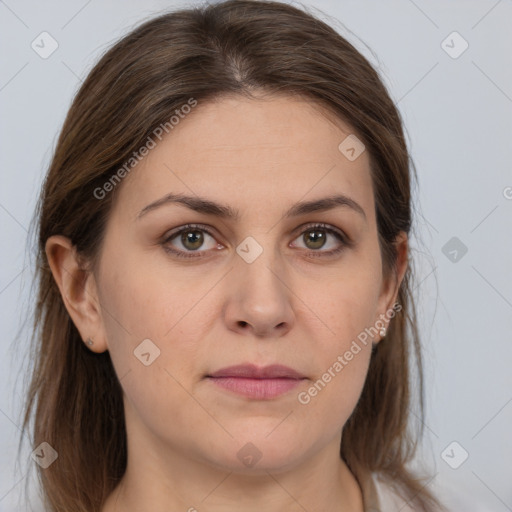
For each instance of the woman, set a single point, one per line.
(224, 278)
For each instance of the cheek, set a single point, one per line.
(150, 318)
(151, 344)
(347, 308)
(138, 301)
(348, 305)
(339, 381)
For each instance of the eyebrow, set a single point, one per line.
(208, 207)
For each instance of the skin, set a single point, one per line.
(259, 156)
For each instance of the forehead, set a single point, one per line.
(239, 151)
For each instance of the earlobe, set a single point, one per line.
(78, 290)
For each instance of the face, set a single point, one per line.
(262, 287)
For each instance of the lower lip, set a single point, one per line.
(259, 389)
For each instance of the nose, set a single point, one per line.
(259, 298)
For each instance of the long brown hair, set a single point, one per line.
(235, 47)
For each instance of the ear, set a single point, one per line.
(391, 284)
(78, 290)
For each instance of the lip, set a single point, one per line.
(251, 371)
(258, 383)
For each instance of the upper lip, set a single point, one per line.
(250, 371)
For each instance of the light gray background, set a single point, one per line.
(458, 116)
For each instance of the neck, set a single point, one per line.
(169, 480)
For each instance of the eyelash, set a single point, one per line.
(345, 242)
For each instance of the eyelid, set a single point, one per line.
(199, 227)
(321, 225)
(344, 239)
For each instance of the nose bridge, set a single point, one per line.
(261, 265)
(258, 295)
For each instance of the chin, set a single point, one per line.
(260, 453)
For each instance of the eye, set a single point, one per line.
(315, 237)
(191, 237)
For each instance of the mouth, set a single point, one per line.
(257, 383)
